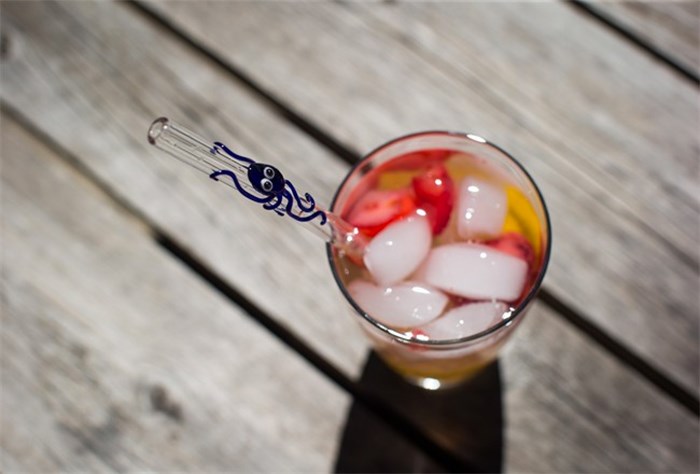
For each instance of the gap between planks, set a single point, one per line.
(283, 110)
(618, 350)
(586, 8)
(374, 404)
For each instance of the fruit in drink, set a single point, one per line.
(434, 192)
(454, 248)
(377, 208)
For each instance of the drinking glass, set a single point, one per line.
(439, 363)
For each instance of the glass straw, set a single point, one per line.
(259, 182)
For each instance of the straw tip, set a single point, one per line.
(158, 126)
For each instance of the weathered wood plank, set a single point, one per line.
(672, 27)
(96, 76)
(97, 70)
(116, 358)
(607, 402)
(586, 113)
(551, 376)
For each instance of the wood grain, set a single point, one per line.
(672, 27)
(95, 96)
(576, 381)
(98, 77)
(116, 358)
(586, 113)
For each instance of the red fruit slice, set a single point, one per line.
(415, 160)
(515, 244)
(438, 216)
(435, 195)
(461, 300)
(376, 209)
(436, 155)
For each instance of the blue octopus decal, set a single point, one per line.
(278, 194)
(266, 179)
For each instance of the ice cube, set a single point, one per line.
(465, 320)
(398, 250)
(404, 305)
(474, 271)
(481, 209)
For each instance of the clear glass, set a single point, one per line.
(435, 364)
(213, 157)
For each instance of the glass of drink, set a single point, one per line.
(439, 241)
(459, 241)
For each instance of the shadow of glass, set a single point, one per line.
(466, 420)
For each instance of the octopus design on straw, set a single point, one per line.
(278, 194)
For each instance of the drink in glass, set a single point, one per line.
(459, 241)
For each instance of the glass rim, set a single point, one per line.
(514, 314)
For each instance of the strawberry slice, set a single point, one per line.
(435, 195)
(515, 244)
(415, 160)
(376, 209)
(461, 300)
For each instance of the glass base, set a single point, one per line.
(438, 377)
(430, 383)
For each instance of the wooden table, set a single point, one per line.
(154, 321)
